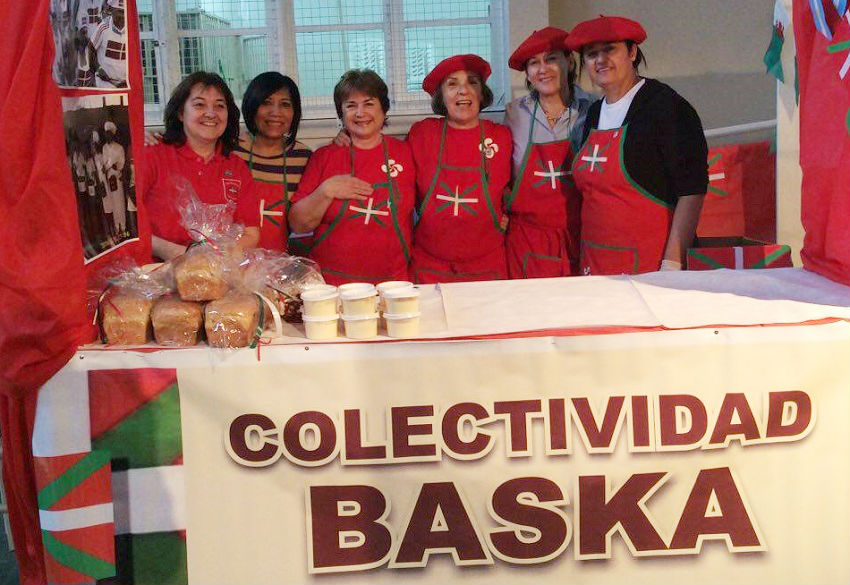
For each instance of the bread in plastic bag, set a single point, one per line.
(205, 271)
(177, 323)
(128, 293)
(234, 320)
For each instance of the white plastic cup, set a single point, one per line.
(361, 326)
(317, 286)
(402, 325)
(383, 287)
(402, 300)
(359, 301)
(355, 286)
(321, 327)
(319, 302)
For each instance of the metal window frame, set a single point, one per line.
(280, 31)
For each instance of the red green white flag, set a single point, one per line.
(773, 56)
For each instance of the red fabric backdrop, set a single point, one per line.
(824, 143)
(42, 275)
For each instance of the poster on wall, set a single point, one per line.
(97, 136)
(91, 43)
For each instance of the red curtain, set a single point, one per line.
(824, 141)
(42, 280)
(42, 274)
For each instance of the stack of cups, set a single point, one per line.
(359, 310)
(319, 311)
(400, 305)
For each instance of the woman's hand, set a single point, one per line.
(165, 250)
(345, 187)
(152, 138)
(307, 213)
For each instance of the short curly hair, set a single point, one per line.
(366, 82)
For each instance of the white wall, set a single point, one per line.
(710, 51)
(789, 229)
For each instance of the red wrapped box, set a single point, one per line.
(738, 253)
(741, 197)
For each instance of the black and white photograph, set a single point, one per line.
(97, 135)
(90, 37)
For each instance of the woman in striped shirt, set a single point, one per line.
(271, 108)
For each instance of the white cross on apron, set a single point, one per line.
(368, 211)
(457, 200)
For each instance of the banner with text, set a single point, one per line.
(699, 456)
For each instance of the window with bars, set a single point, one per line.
(315, 41)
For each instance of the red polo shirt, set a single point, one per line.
(218, 180)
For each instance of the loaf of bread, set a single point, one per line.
(126, 319)
(232, 321)
(177, 323)
(201, 274)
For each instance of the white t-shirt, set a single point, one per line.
(612, 115)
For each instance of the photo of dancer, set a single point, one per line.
(99, 156)
(91, 43)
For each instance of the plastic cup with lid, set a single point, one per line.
(363, 326)
(320, 301)
(402, 300)
(388, 285)
(402, 324)
(321, 326)
(359, 300)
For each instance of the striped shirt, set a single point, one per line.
(269, 169)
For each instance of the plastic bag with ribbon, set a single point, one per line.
(206, 271)
(281, 278)
(124, 294)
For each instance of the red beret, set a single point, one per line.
(457, 63)
(605, 28)
(545, 39)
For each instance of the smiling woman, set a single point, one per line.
(201, 130)
(543, 207)
(462, 169)
(640, 214)
(271, 107)
(359, 197)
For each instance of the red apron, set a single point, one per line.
(624, 228)
(274, 201)
(458, 236)
(365, 241)
(544, 207)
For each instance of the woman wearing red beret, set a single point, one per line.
(463, 165)
(544, 206)
(642, 170)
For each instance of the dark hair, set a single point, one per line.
(174, 133)
(640, 58)
(260, 88)
(570, 76)
(438, 105)
(366, 82)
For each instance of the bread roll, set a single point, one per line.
(201, 274)
(176, 323)
(232, 321)
(126, 319)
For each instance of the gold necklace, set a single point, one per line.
(552, 119)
